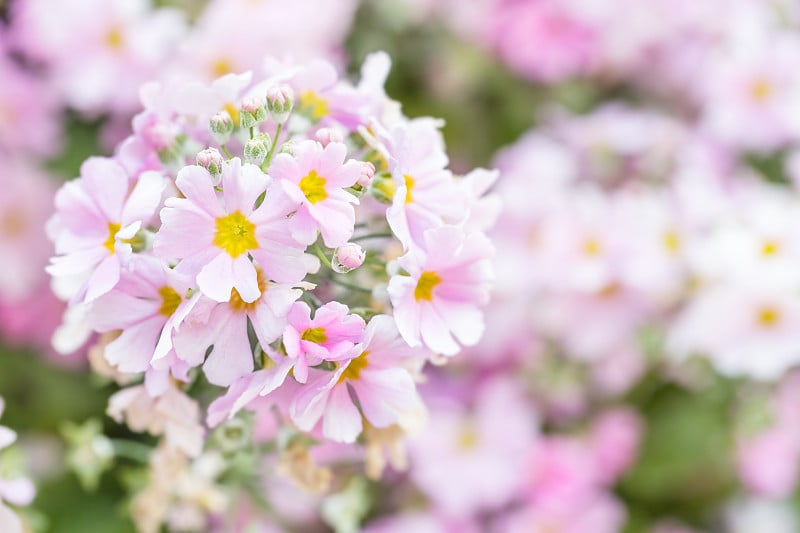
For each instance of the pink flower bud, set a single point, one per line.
(211, 160)
(252, 104)
(221, 126)
(367, 173)
(325, 136)
(348, 257)
(280, 100)
(158, 135)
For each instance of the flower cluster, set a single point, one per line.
(97, 53)
(312, 275)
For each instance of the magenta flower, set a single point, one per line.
(447, 281)
(330, 336)
(315, 178)
(96, 218)
(215, 236)
(378, 375)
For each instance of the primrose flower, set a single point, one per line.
(214, 236)
(226, 329)
(330, 336)
(426, 194)
(447, 281)
(97, 217)
(316, 179)
(378, 375)
(143, 306)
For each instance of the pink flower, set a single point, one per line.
(615, 440)
(25, 205)
(143, 305)
(98, 52)
(426, 194)
(448, 280)
(97, 216)
(385, 390)
(224, 325)
(316, 178)
(768, 463)
(330, 336)
(214, 236)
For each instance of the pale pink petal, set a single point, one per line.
(216, 279)
(342, 420)
(196, 185)
(144, 198)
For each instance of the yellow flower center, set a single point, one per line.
(672, 241)
(170, 300)
(592, 247)
(467, 437)
(353, 370)
(13, 223)
(239, 305)
(114, 39)
(221, 66)
(113, 228)
(312, 104)
(315, 335)
(425, 285)
(235, 234)
(761, 90)
(770, 248)
(409, 186)
(233, 111)
(313, 186)
(768, 316)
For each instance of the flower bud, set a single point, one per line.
(383, 187)
(211, 160)
(348, 257)
(221, 127)
(325, 136)
(367, 174)
(280, 101)
(252, 111)
(257, 148)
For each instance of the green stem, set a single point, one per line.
(372, 236)
(349, 285)
(322, 256)
(275, 142)
(252, 131)
(225, 151)
(131, 450)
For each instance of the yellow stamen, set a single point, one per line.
(353, 370)
(239, 305)
(221, 66)
(235, 234)
(315, 335)
(761, 90)
(13, 223)
(233, 111)
(113, 228)
(672, 241)
(310, 103)
(115, 39)
(467, 437)
(770, 248)
(170, 300)
(768, 316)
(313, 186)
(592, 247)
(427, 282)
(409, 186)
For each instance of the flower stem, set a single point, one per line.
(225, 151)
(322, 256)
(274, 144)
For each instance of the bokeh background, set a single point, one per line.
(637, 373)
